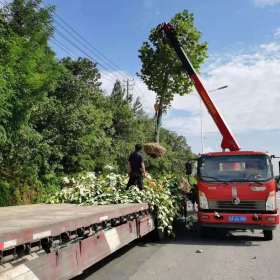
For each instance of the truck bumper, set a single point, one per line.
(250, 220)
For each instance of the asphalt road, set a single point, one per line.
(238, 255)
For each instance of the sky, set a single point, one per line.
(244, 54)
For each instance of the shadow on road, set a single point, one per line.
(218, 237)
(116, 270)
(183, 237)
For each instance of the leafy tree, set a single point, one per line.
(74, 120)
(117, 94)
(29, 19)
(84, 70)
(161, 69)
(138, 108)
(28, 72)
(122, 126)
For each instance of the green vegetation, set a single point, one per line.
(163, 195)
(55, 121)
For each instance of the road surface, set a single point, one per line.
(241, 255)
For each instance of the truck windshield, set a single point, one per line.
(235, 168)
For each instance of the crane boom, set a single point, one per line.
(228, 141)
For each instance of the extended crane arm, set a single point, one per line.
(229, 141)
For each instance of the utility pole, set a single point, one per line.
(129, 84)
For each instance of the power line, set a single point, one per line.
(80, 49)
(128, 85)
(90, 47)
(3, 3)
(79, 46)
(80, 43)
(67, 50)
(61, 46)
(86, 44)
(106, 62)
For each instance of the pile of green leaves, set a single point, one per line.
(163, 196)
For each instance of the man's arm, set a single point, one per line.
(143, 168)
(129, 168)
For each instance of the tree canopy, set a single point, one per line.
(162, 70)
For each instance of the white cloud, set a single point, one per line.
(263, 3)
(140, 90)
(277, 33)
(251, 102)
(271, 47)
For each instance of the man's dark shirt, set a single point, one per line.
(136, 160)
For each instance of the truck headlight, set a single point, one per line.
(203, 202)
(270, 204)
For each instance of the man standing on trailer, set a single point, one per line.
(136, 168)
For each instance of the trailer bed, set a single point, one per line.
(61, 241)
(22, 224)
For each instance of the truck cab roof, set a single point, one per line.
(236, 153)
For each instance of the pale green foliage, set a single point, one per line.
(163, 196)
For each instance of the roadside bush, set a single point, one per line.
(5, 193)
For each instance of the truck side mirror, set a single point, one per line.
(189, 168)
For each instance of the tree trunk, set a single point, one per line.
(159, 112)
(158, 123)
(157, 129)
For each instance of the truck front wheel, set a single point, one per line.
(268, 235)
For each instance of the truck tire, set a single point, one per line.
(268, 235)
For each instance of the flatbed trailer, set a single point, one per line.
(60, 241)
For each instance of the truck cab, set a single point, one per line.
(237, 190)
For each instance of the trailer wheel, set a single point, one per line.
(268, 235)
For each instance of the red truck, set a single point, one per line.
(235, 189)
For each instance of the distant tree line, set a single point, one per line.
(55, 120)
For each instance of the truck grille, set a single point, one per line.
(243, 205)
